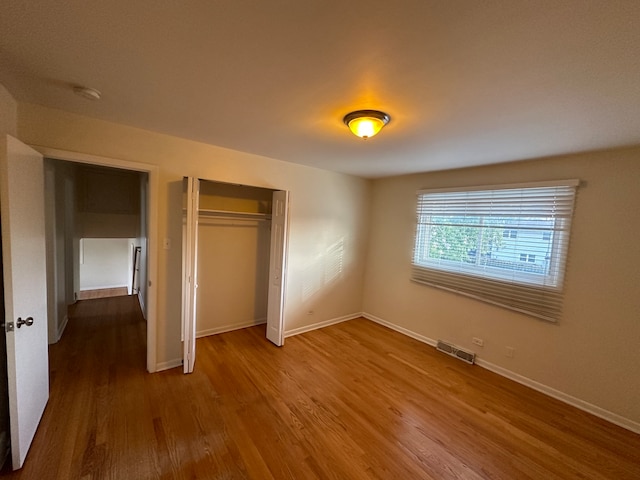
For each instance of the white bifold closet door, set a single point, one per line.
(277, 271)
(190, 276)
(277, 267)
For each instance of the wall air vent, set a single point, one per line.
(457, 352)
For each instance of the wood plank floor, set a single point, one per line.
(350, 401)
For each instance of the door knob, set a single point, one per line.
(28, 322)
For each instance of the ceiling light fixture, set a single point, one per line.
(86, 92)
(366, 123)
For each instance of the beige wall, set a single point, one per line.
(106, 263)
(593, 352)
(328, 221)
(233, 259)
(233, 274)
(8, 113)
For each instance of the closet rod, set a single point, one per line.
(236, 215)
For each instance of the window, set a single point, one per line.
(527, 257)
(506, 245)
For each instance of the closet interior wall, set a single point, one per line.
(234, 230)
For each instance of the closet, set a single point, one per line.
(234, 245)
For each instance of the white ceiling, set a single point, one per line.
(465, 82)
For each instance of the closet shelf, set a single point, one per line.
(230, 214)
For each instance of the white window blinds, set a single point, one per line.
(505, 245)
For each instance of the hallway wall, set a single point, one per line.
(105, 262)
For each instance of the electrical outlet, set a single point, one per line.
(510, 351)
(477, 341)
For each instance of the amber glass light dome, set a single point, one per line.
(366, 123)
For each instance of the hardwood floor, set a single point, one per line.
(350, 401)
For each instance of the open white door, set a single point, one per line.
(25, 291)
(277, 267)
(190, 276)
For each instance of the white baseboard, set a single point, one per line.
(552, 392)
(168, 365)
(61, 326)
(563, 397)
(102, 287)
(230, 328)
(404, 331)
(325, 323)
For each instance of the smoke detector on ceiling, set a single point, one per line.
(86, 92)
